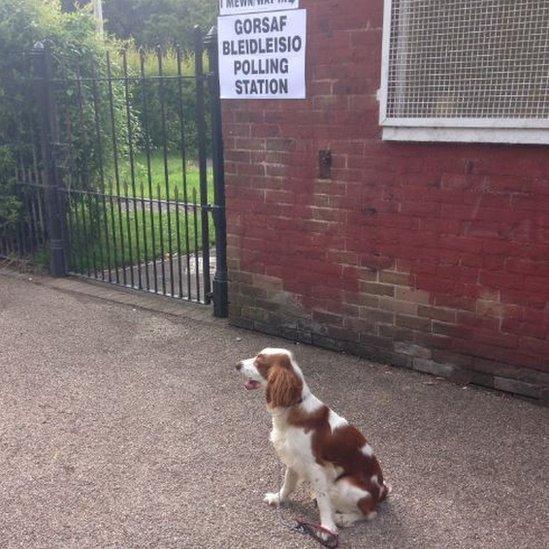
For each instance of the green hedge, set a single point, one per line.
(76, 52)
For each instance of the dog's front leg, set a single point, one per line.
(320, 485)
(288, 486)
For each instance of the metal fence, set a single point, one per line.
(119, 171)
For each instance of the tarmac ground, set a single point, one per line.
(122, 426)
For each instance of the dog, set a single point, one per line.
(315, 444)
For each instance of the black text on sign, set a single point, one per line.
(262, 56)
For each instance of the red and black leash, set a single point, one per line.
(318, 533)
(325, 537)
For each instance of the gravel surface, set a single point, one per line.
(125, 428)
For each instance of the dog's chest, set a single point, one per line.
(292, 445)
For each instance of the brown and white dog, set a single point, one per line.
(315, 444)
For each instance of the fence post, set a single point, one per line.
(202, 159)
(220, 282)
(49, 138)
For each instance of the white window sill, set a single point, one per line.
(534, 136)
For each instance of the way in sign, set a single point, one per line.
(253, 3)
(233, 7)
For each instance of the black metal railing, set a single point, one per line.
(26, 235)
(120, 171)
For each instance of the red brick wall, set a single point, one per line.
(429, 256)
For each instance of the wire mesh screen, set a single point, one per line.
(481, 59)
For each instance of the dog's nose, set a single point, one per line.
(239, 366)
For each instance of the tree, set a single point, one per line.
(158, 22)
(69, 6)
(75, 51)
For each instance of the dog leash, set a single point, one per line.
(301, 526)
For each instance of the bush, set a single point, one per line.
(159, 22)
(10, 205)
(76, 53)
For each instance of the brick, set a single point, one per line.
(362, 300)
(373, 288)
(472, 320)
(413, 350)
(342, 334)
(415, 296)
(524, 298)
(360, 274)
(398, 333)
(377, 262)
(485, 380)
(452, 358)
(496, 339)
(432, 367)
(397, 306)
(455, 301)
(377, 316)
(328, 318)
(437, 313)
(267, 282)
(241, 322)
(393, 277)
(451, 330)
(377, 341)
(517, 387)
(490, 308)
(413, 322)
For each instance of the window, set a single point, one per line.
(466, 70)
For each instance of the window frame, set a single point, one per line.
(462, 130)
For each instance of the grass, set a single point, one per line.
(105, 232)
(158, 177)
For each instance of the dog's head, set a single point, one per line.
(277, 372)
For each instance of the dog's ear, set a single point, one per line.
(283, 387)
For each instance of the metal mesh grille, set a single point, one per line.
(469, 59)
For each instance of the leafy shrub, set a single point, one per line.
(158, 22)
(9, 203)
(76, 55)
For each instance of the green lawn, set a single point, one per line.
(108, 232)
(158, 177)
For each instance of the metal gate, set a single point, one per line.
(119, 171)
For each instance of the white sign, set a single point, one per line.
(235, 7)
(262, 56)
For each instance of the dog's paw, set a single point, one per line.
(331, 528)
(272, 498)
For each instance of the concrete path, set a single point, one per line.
(187, 270)
(121, 427)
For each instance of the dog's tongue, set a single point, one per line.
(251, 384)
